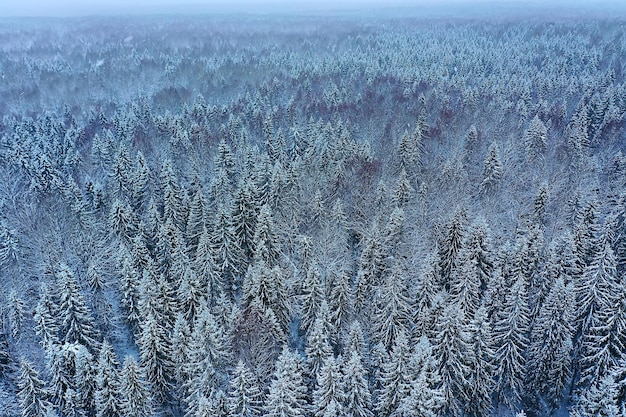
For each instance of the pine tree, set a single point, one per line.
(108, 386)
(392, 312)
(287, 391)
(244, 219)
(16, 313)
(156, 362)
(312, 294)
(32, 393)
(451, 245)
(424, 398)
(318, 349)
(597, 400)
(46, 323)
(482, 368)
(265, 240)
(135, 397)
(244, 396)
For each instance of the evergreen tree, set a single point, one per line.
(536, 138)
(245, 395)
(356, 392)
(425, 398)
(328, 396)
(265, 240)
(492, 170)
(156, 362)
(511, 338)
(482, 368)
(135, 397)
(450, 246)
(395, 379)
(287, 391)
(312, 294)
(77, 325)
(392, 312)
(318, 349)
(454, 354)
(46, 323)
(108, 386)
(550, 349)
(32, 394)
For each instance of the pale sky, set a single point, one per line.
(116, 7)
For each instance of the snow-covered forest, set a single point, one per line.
(301, 216)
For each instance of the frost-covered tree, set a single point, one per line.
(550, 348)
(108, 385)
(245, 398)
(396, 376)
(454, 354)
(536, 138)
(287, 395)
(511, 338)
(77, 325)
(492, 170)
(356, 392)
(135, 396)
(328, 394)
(32, 394)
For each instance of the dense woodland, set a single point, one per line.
(291, 216)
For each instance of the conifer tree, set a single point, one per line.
(511, 338)
(328, 396)
(536, 138)
(425, 397)
(356, 392)
(244, 395)
(135, 397)
(395, 378)
(482, 368)
(492, 170)
(312, 294)
(108, 386)
(287, 391)
(46, 323)
(550, 349)
(318, 348)
(77, 324)
(32, 393)
(454, 354)
(155, 357)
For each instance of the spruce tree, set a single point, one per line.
(135, 396)
(245, 398)
(287, 391)
(356, 393)
(32, 394)
(108, 387)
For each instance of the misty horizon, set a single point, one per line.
(73, 8)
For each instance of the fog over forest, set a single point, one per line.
(336, 209)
